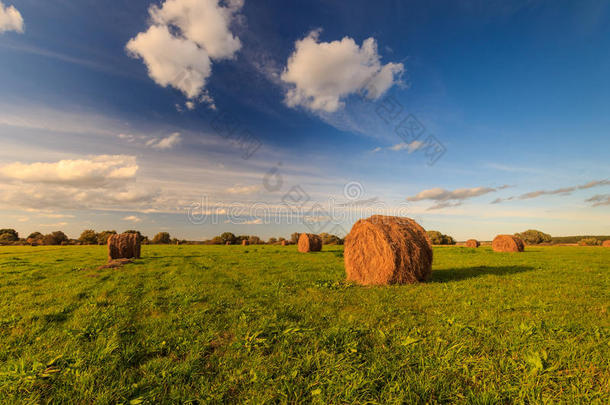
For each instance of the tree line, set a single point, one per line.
(91, 237)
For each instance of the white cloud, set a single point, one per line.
(132, 218)
(184, 38)
(91, 172)
(410, 147)
(10, 19)
(165, 143)
(324, 73)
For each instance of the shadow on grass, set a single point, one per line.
(444, 276)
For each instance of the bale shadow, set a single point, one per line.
(445, 276)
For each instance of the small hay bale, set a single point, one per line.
(228, 243)
(284, 243)
(308, 242)
(384, 250)
(472, 243)
(507, 243)
(606, 243)
(124, 246)
(245, 242)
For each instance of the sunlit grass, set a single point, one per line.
(258, 324)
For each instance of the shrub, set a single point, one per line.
(329, 239)
(88, 237)
(438, 238)
(272, 241)
(228, 237)
(589, 242)
(162, 238)
(255, 240)
(216, 240)
(60, 237)
(35, 235)
(534, 237)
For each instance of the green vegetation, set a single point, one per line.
(589, 242)
(256, 324)
(534, 237)
(438, 238)
(576, 239)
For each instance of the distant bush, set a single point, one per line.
(162, 238)
(294, 238)
(102, 237)
(576, 239)
(228, 237)
(60, 237)
(534, 237)
(88, 237)
(329, 239)
(438, 238)
(35, 235)
(589, 242)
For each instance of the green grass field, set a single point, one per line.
(259, 324)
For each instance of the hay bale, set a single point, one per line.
(308, 242)
(284, 243)
(124, 246)
(507, 243)
(606, 243)
(472, 243)
(228, 243)
(387, 250)
(245, 242)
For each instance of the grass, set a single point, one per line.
(259, 324)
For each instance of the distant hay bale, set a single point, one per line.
(284, 243)
(472, 243)
(606, 243)
(124, 246)
(387, 250)
(308, 242)
(507, 243)
(245, 242)
(228, 243)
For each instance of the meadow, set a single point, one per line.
(265, 324)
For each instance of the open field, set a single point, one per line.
(255, 324)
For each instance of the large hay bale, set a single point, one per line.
(387, 250)
(245, 242)
(124, 246)
(308, 242)
(606, 243)
(507, 243)
(472, 243)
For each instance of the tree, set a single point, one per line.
(255, 240)
(272, 241)
(294, 238)
(9, 235)
(534, 237)
(438, 238)
(228, 237)
(140, 237)
(49, 240)
(35, 235)
(102, 237)
(60, 237)
(162, 238)
(329, 239)
(217, 240)
(88, 237)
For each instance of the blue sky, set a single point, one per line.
(111, 113)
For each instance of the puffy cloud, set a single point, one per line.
(92, 172)
(324, 73)
(184, 38)
(165, 143)
(10, 19)
(440, 194)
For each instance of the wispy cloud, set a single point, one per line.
(448, 198)
(599, 200)
(243, 189)
(558, 191)
(165, 143)
(132, 218)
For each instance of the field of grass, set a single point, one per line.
(256, 324)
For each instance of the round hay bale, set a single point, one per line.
(472, 243)
(606, 243)
(308, 242)
(507, 243)
(284, 243)
(387, 250)
(245, 242)
(124, 246)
